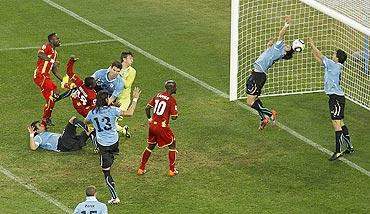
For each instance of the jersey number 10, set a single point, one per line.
(159, 107)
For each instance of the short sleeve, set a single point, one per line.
(37, 140)
(152, 102)
(119, 87)
(88, 117)
(279, 44)
(325, 61)
(173, 108)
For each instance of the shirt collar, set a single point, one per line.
(91, 198)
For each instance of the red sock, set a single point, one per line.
(48, 108)
(172, 158)
(146, 154)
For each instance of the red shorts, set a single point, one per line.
(163, 136)
(46, 85)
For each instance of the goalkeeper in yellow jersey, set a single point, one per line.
(128, 74)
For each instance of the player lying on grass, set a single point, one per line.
(40, 137)
(275, 52)
(333, 69)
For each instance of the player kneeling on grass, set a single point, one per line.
(164, 105)
(68, 141)
(104, 117)
(275, 52)
(333, 69)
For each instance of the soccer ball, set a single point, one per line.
(298, 45)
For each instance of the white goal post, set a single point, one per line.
(333, 24)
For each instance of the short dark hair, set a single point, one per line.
(116, 64)
(33, 125)
(124, 54)
(50, 36)
(288, 54)
(341, 55)
(90, 82)
(90, 191)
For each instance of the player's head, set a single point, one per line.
(115, 68)
(340, 56)
(288, 52)
(90, 191)
(38, 127)
(90, 82)
(170, 86)
(101, 99)
(54, 39)
(127, 57)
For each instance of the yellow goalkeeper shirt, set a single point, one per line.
(128, 77)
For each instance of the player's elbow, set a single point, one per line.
(33, 148)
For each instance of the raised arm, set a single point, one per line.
(316, 52)
(33, 145)
(283, 30)
(130, 111)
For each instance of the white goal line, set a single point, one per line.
(62, 45)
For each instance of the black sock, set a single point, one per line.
(256, 105)
(346, 137)
(65, 94)
(110, 183)
(80, 124)
(338, 141)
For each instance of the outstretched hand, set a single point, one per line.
(136, 92)
(30, 130)
(287, 19)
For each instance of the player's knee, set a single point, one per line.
(106, 164)
(151, 146)
(72, 119)
(172, 145)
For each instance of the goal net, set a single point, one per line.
(332, 24)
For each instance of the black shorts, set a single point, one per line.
(336, 106)
(69, 141)
(255, 83)
(107, 154)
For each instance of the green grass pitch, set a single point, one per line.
(225, 164)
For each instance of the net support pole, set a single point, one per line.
(234, 50)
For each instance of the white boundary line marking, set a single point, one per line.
(201, 83)
(35, 190)
(66, 44)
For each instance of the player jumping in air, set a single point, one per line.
(333, 69)
(275, 52)
(164, 107)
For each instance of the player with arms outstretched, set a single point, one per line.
(47, 61)
(333, 70)
(164, 107)
(275, 52)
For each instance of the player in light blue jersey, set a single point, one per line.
(274, 52)
(110, 80)
(91, 205)
(104, 117)
(68, 141)
(333, 70)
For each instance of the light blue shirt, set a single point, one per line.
(47, 140)
(104, 122)
(332, 76)
(269, 57)
(114, 87)
(91, 205)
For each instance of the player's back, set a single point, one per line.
(164, 106)
(91, 206)
(83, 97)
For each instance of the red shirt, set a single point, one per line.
(84, 98)
(164, 106)
(44, 67)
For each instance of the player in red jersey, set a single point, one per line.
(46, 62)
(82, 93)
(160, 134)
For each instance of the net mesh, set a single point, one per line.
(261, 20)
